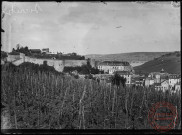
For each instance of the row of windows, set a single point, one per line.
(116, 67)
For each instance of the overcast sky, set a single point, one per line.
(92, 28)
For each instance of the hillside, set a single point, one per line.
(130, 57)
(171, 63)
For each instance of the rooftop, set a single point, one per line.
(115, 63)
(35, 50)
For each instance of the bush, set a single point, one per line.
(118, 80)
(3, 55)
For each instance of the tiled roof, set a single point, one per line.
(115, 63)
(35, 50)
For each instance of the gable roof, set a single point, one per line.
(114, 63)
(164, 81)
(35, 50)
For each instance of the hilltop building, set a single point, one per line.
(112, 66)
(159, 76)
(19, 58)
(35, 51)
(45, 50)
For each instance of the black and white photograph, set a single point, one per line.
(91, 66)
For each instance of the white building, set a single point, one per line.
(164, 85)
(149, 82)
(174, 79)
(112, 66)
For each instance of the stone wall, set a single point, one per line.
(11, 58)
(74, 63)
(57, 64)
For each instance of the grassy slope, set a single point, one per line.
(134, 56)
(171, 64)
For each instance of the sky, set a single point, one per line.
(91, 27)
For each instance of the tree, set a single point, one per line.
(3, 54)
(17, 47)
(74, 54)
(88, 64)
(117, 80)
(13, 50)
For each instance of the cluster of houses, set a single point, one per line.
(159, 80)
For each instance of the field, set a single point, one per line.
(45, 100)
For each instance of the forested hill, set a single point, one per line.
(130, 57)
(170, 62)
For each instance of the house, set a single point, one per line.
(149, 82)
(174, 79)
(139, 81)
(125, 74)
(159, 76)
(178, 86)
(2, 62)
(112, 66)
(45, 50)
(35, 51)
(164, 85)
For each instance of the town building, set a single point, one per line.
(125, 74)
(149, 82)
(178, 86)
(174, 79)
(164, 85)
(139, 81)
(112, 66)
(159, 76)
(45, 50)
(35, 51)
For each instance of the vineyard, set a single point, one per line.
(46, 100)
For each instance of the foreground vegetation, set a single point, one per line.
(46, 100)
